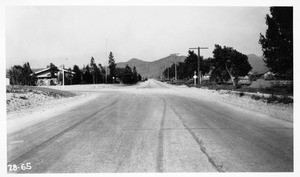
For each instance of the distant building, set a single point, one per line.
(49, 76)
(269, 76)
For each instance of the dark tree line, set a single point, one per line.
(89, 74)
(227, 63)
(186, 69)
(127, 75)
(20, 75)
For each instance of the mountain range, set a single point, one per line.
(154, 68)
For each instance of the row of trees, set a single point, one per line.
(20, 75)
(227, 63)
(89, 74)
(95, 74)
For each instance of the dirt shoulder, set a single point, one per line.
(275, 110)
(28, 108)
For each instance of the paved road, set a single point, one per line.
(154, 128)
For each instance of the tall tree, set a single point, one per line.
(87, 78)
(128, 75)
(112, 65)
(26, 72)
(235, 63)
(16, 75)
(93, 67)
(102, 72)
(135, 75)
(191, 63)
(77, 76)
(277, 43)
(20, 75)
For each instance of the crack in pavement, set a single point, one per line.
(160, 148)
(43, 144)
(199, 141)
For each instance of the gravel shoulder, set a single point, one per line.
(39, 107)
(278, 110)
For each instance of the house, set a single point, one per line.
(49, 76)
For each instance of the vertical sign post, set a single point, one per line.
(195, 78)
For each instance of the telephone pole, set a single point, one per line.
(199, 72)
(168, 69)
(176, 54)
(106, 66)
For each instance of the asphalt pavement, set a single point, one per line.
(152, 128)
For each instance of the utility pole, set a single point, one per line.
(176, 68)
(168, 69)
(199, 72)
(63, 72)
(106, 66)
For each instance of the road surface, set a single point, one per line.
(152, 127)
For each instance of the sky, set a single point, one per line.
(72, 34)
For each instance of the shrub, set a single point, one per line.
(241, 94)
(255, 97)
(272, 99)
(279, 99)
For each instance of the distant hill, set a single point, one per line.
(257, 63)
(154, 68)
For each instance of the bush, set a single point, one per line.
(241, 94)
(255, 97)
(272, 99)
(279, 99)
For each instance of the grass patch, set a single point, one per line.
(279, 99)
(39, 90)
(274, 99)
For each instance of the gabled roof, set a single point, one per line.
(66, 70)
(47, 69)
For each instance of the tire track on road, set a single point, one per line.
(199, 141)
(160, 148)
(43, 144)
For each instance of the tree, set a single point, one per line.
(21, 75)
(112, 65)
(87, 78)
(77, 76)
(181, 70)
(235, 63)
(135, 75)
(69, 76)
(139, 77)
(26, 74)
(93, 67)
(102, 72)
(277, 43)
(16, 75)
(53, 69)
(60, 78)
(191, 63)
(187, 68)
